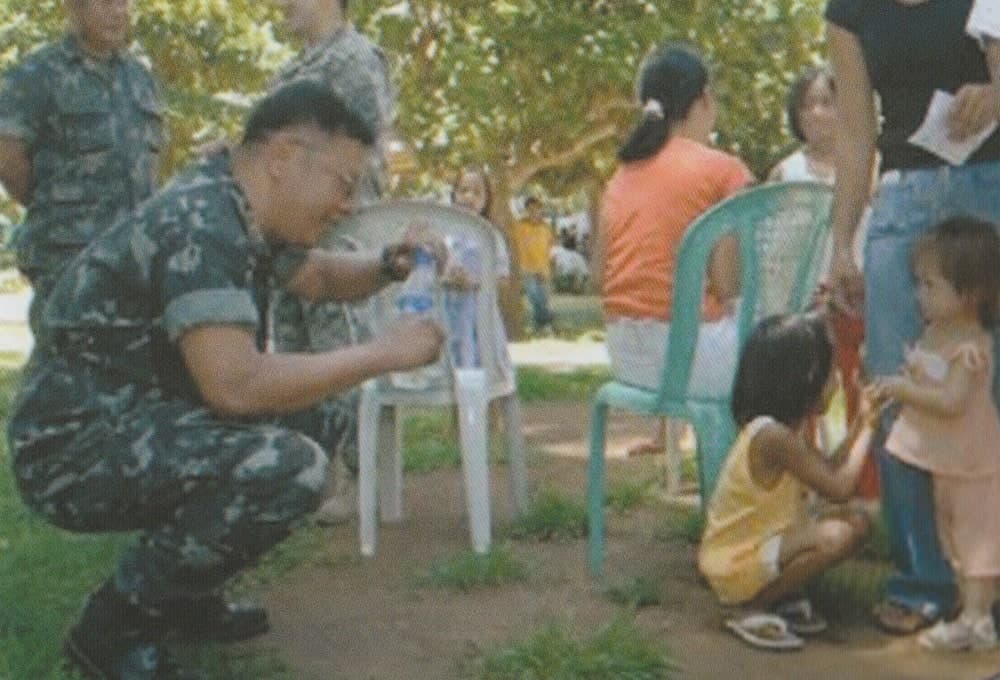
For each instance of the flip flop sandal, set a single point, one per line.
(765, 631)
(801, 618)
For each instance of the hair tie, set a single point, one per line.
(653, 109)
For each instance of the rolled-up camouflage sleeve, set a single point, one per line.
(205, 283)
(22, 103)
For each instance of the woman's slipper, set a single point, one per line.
(765, 631)
(898, 619)
(800, 616)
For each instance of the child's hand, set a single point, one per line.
(872, 403)
(455, 276)
(890, 388)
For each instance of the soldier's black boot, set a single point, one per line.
(213, 618)
(117, 640)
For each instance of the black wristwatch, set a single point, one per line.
(390, 268)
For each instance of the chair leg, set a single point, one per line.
(595, 488)
(516, 462)
(368, 412)
(716, 433)
(470, 392)
(390, 463)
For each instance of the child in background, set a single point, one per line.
(472, 192)
(760, 546)
(948, 424)
(812, 118)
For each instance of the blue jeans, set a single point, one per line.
(537, 290)
(908, 203)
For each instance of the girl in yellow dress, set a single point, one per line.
(760, 546)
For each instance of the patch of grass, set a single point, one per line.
(575, 314)
(222, 661)
(684, 524)
(628, 494)
(538, 384)
(636, 594)
(469, 571)
(689, 470)
(308, 544)
(849, 591)
(552, 516)
(617, 652)
(430, 442)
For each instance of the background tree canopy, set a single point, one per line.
(540, 90)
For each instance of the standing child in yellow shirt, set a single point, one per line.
(533, 243)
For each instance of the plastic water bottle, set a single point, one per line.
(460, 308)
(416, 299)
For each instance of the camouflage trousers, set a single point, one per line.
(209, 495)
(301, 326)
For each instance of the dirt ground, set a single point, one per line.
(359, 619)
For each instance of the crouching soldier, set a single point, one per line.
(151, 404)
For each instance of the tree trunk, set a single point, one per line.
(509, 296)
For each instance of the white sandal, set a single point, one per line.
(765, 631)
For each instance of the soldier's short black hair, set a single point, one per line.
(305, 102)
(344, 4)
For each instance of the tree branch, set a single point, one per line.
(521, 174)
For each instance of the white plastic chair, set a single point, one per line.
(380, 474)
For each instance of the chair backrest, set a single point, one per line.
(385, 223)
(784, 233)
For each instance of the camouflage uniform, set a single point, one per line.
(93, 132)
(109, 431)
(355, 69)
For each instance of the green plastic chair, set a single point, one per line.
(785, 242)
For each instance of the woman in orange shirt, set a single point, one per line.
(669, 175)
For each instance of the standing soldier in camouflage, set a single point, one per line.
(152, 405)
(81, 128)
(354, 68)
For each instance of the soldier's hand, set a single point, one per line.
(413, 343)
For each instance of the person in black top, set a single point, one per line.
(904, 50)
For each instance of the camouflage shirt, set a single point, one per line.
(189, 256)
(355, 69)
(93, 132)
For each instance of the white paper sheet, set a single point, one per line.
(984, 20)
(932, 134)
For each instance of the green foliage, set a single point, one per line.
(481, 81)
(636, 593)
(492, 82)
(617, 652)
(430, 442)
(538, 384)
(628, 494)
(849, 591)
(470, 570)
(687, 525)
(552, 516)
(199, 48)
(577, 315)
